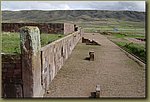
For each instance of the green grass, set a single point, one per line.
(121, 43)
(110, 24)
(119, 35)
(129, 35)
(11, 41)
(48, 38)
(111, 29)
(135, 49)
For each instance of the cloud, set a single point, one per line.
(73, 5)
(133, 6)
(119, 5)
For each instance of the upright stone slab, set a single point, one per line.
(91, 53)
(31, 64)
(98, 91)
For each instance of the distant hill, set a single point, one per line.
(69, 15)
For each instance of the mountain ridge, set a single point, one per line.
(69, 15)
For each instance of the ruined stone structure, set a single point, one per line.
(34, 69)
(11, 76)
(54, 28)
(89, 41)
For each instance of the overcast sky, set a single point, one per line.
(73, 5)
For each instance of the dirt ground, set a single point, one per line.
(117, 74)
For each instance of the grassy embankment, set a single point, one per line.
(137, 49)
(11, 41)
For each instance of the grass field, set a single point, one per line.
(134, 48)
(48, 38)
(112, 25)
(11, 41)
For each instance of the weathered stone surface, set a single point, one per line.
(11, 75)
(89, 42)
(91, 54)
(30, 39)
(68, 28)
(54, 28)
(30, 47)
(54, 55)
(31, 75)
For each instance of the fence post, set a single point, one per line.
(30, 57)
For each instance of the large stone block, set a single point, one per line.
(31, 63)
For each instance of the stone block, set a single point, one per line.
(30, 50)
(91, 54)
(97, 91)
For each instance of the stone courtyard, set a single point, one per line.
(72, 67)
(112, 69)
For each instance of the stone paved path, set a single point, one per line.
(117, 75)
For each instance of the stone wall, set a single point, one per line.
(54, 56)
(33, 71)
(69, 28)
(12, 85)
(53, 28)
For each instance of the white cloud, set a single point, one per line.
(73, 5)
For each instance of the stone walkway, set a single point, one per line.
(117, 75)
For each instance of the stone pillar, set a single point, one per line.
(31, 65)
(91, 53)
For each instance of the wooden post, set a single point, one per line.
(30, 48)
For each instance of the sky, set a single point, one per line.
(73, 5)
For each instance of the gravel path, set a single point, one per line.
(117, 75)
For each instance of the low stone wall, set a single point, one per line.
(12, 84)
(54, 55)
